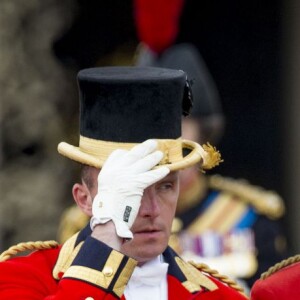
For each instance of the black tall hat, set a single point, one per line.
(123, 106)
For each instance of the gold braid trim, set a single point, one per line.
(265, 202)
(284, 263)
(214, 273)
(39, 245)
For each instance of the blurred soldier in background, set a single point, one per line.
(228, 223)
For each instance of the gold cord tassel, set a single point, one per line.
(212, 157)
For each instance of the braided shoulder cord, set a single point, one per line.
(284, 263)
(214, 273)
(39, 245)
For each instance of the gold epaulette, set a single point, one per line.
(196, 280)
(214, 273)
(265, 202)
(284, 263)
(31, 246)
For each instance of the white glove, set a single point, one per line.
(121, 184)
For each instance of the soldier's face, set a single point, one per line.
(152, 227)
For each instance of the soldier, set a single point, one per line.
(131, 150)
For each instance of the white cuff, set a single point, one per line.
(121, 228)
(96, 221)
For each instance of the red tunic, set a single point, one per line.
(90, 270)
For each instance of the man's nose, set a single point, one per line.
(150, 207)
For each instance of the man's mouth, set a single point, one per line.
(147, 231)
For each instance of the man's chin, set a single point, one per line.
(143, 253)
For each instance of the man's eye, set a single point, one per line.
(166, 186)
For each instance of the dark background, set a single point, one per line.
(240, 42)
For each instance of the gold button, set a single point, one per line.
(100, 204)
(108, 271)
(89, 298)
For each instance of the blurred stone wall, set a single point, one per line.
(38, 99)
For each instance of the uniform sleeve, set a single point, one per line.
(97, 272)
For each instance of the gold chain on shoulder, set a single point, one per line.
(39, 245)
(284, 263)
(214, 273)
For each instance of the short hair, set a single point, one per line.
(86, 176)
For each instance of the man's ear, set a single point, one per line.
(83, 198)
